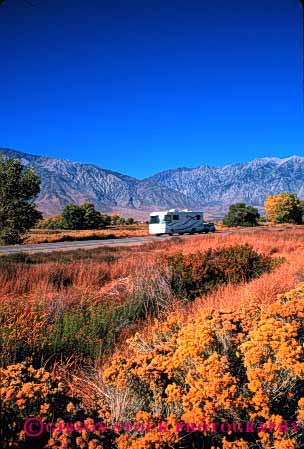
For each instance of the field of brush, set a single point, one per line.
(188, 331)
(60, 235)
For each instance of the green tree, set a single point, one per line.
(302, 211)
(240, 214)
(55, 222)
(115, 219)
(73, 217)
(92, 219)
(284, 208)
(84, 216)
(18, 188)
(106, 220)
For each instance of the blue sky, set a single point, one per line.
(140, 86)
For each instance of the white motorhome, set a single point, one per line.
(176, 221)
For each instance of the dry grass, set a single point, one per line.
(280, 242)
(93, 270)
(82, 306)
(261, 291)
(49, 236)
(91, 301)
(124, 284)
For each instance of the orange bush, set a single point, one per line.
(214, 368)
(26, 392)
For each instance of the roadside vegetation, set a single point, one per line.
(83, 217)
(284, 208)
(111, 232)
(103, 298)
(168, 331)
(240, 214)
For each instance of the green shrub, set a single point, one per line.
(240, 214)
(55, 222)
(199, 273)
(77, 331)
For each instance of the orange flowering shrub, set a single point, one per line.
(26, 392)
(274, 362)
(215, 369)
(84, 434)
(225, 380)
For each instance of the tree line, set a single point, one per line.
(84, 216)
(284, 207)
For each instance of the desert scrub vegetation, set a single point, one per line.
(242, 366)
(86, 323)
(112, 232)
(199, 273)
(159, 332)
(27, 392)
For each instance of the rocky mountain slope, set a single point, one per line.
(211, 188)
(249, 182)
(65, 182)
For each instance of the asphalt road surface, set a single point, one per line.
(127, 241)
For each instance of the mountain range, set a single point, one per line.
(212, 189)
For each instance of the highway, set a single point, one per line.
(112, 243)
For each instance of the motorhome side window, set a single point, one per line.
(168, 218)
(198, 217)
(154, 219)
(175, 217)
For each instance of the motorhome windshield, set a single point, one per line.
(160, 219)
(154, 219)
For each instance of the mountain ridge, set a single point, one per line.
(65, 182)
(209, 187)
